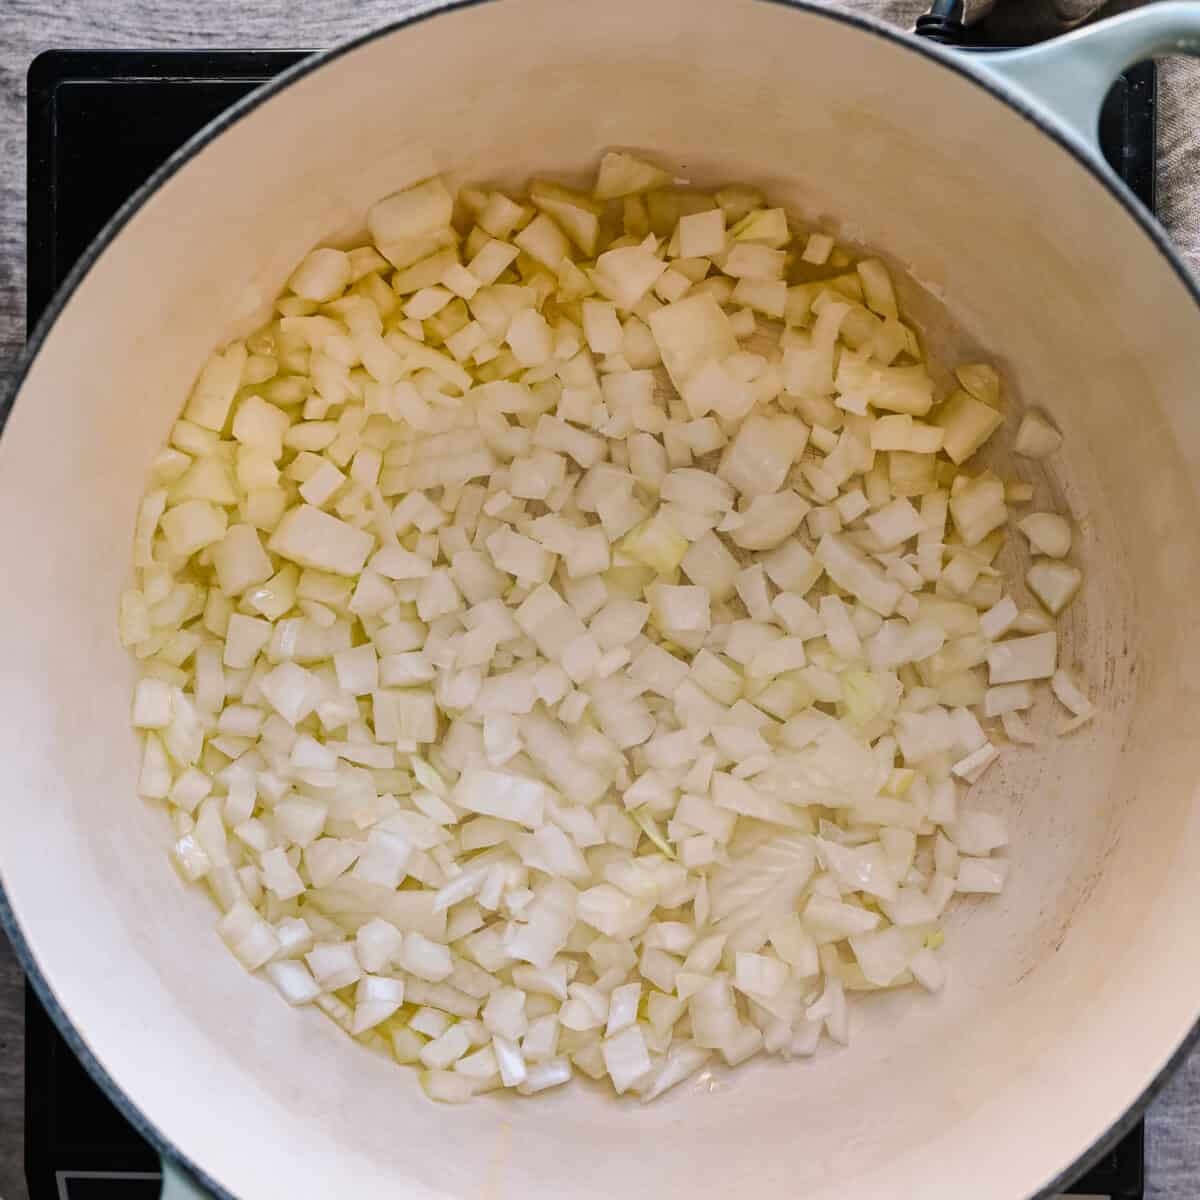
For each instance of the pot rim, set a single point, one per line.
(950, 60)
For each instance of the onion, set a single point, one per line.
(544, 676)
(1036, 437)
(966, 422)
(1023, 658)
(1054, 583)
(1048, 534)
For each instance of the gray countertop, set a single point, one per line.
(30, 26)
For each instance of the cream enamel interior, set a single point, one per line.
(1068, 994)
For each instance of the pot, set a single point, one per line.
(1072, 995)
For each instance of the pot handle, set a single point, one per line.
(177, 1184)
(1068, 78)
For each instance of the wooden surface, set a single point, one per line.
(30, 26)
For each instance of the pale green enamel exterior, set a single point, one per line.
(179, 1186)
(1067, 79)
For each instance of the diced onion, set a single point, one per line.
(544, 676)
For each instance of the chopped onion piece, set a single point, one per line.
(1036, 437)
(1054, 583)
(1071, 696)
(982, 875)
(626, 1059)
(1048, 534)
(1018, 659)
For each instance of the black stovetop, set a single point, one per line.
(99, 123)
